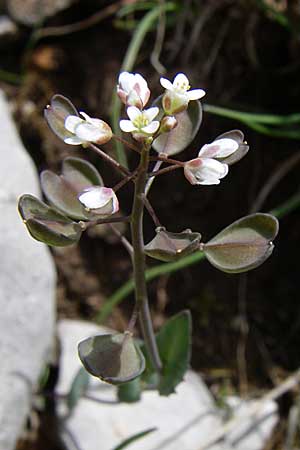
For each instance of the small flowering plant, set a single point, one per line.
(79, 199)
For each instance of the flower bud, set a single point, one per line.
(133, 90)
(167, 124)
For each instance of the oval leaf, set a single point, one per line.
(55, 114)
(47, 225)
(243, 245)
(176, 140)
(62, 191)
(113, 358)
(168, 246)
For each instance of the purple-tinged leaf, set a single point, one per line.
(243, 245)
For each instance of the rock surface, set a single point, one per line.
(27, 288)
(184, 421)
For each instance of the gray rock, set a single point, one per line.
(27, 288)
(31, 12)
(186, 420)
(7, 26)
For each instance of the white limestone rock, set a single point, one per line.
(27, 288)
(186, 420)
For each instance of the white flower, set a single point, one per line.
(141, 123)
(99, 200)
(178, 94)
(86, 130)
(133, 89)
(207, 169)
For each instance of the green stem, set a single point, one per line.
(139, 261)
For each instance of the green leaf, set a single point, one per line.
(243, 245)
(174, 344)
(113, 358)
(55, 114)
(62, 191)
(130, 392)
(47, 225)
(134, 438)
(182, 135)
(242, 150)
(78, 388)
(168, 246)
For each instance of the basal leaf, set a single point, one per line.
(130, 392)
(127, 442)
(78, 388)
(174, 344)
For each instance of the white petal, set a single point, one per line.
(220, 148)
(115, 207)
(71, 122)
(127, 126)
(226, 146)
(96, 197)
(141, 82)
(85, 115)
(73, 140)
(205, 171)
(88, 132)
(166, 84)
(126, 81)
(209, 181)
(225, 170)
(151, 113)
(180, 79)
(195, 94)
(213, 169)
(96, 122)
(151, 128)
(133, 113)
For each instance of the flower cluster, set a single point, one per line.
(133, 91)
(168, 125)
